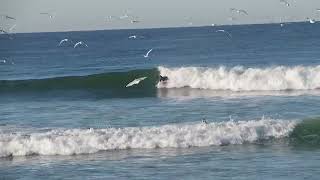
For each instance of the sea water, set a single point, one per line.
(65, 112)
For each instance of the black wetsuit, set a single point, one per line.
(163, 78)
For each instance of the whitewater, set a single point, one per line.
(239, 78)
(87, 141)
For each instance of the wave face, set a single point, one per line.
(80, 141)
(243, 79)
(111, 84)
(307, 133)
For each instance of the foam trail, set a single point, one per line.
(243, 79)
(84, 141)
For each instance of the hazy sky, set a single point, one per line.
(92, 14)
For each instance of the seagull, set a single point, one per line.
(147, 55)
(51, 16)
(135, 21)
(224, 31)
(239, 11)
(124, 16)
(285, 2)
(80, 43)
(312, 21)
(62, 41)
(8, 17)
(136, 81)
(132, 37)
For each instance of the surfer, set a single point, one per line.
(163, 78)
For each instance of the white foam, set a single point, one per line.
(83, 141)
(243, 79)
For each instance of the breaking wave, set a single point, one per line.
(86, 141)
(243, 79)
(183, 81)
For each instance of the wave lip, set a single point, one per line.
(85, 141)
(239, 78)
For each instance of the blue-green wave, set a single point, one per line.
(111, 84)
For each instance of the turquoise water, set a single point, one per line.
(65, 112)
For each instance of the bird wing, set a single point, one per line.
(136, 81)
(142, 78)
(63, 40)
(9, 17)
(233, 9)
(149, 52)
(243, 11)
(224, 31)
(76, 44)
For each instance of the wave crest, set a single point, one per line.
(83, 141)
(243, 79)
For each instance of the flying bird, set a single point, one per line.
(8, 17)
(124, 16)
(135, 21)
(80, 43)
(224, 31)
(147, 55)
(62, 41)
(132, 37)
(311, 21)
(136, 81)
(285, 2)
(239, 11)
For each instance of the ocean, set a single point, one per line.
(238, 104)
